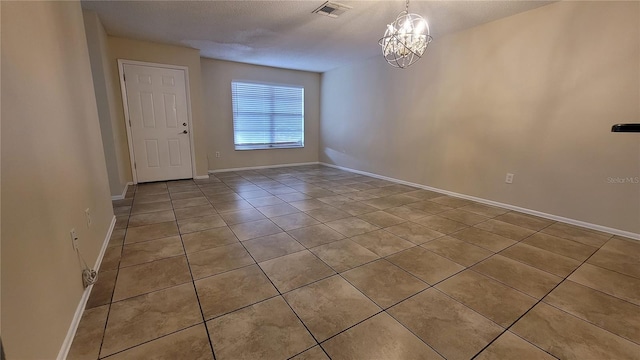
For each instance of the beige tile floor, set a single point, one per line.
(315, 263)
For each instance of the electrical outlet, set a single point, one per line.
(217, 154)
(509, 178)
(88, 213)
(74, 239)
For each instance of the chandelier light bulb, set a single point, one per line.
(407, 25)
(419, 28)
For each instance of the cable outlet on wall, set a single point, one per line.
(88, 213)
(509, 178)
(217, 154)
(74, 239)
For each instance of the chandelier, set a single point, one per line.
(406, 39)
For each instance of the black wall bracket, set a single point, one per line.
(625, 128)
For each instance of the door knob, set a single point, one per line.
(184, 132)
(184, 124)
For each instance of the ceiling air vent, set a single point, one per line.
(331, 9)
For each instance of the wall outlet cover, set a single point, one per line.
(509, 178)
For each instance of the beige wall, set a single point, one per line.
(534, 94)
(129, 49)
(103, 82)
(53, 168)
(217, 76)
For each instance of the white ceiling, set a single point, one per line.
(285, 33)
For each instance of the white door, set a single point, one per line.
(157, 105)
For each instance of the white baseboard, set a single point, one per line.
(68, 340)
(201, 177)
(124, 192)
(583, 224)
(262, 167)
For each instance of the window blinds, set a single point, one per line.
(267, 116)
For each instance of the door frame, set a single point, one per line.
(125, 105)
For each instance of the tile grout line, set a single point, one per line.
(193, 282)
(279, 294)
(538, 302)
(150, 340)
(521, 316)
(533, 267)
(286, 302)
(104, 330)
(126, 229)
(384, 310)
(435, 288)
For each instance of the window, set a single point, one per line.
(267, 116)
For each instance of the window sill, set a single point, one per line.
(266, 147)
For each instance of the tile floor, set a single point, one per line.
(316, 263)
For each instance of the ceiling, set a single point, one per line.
(286, 34)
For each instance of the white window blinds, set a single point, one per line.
(267, 116)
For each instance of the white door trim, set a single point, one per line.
(123, 92)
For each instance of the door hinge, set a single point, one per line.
(124, 77)
(134, 165)
(129, 122)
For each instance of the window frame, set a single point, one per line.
(268, 146)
